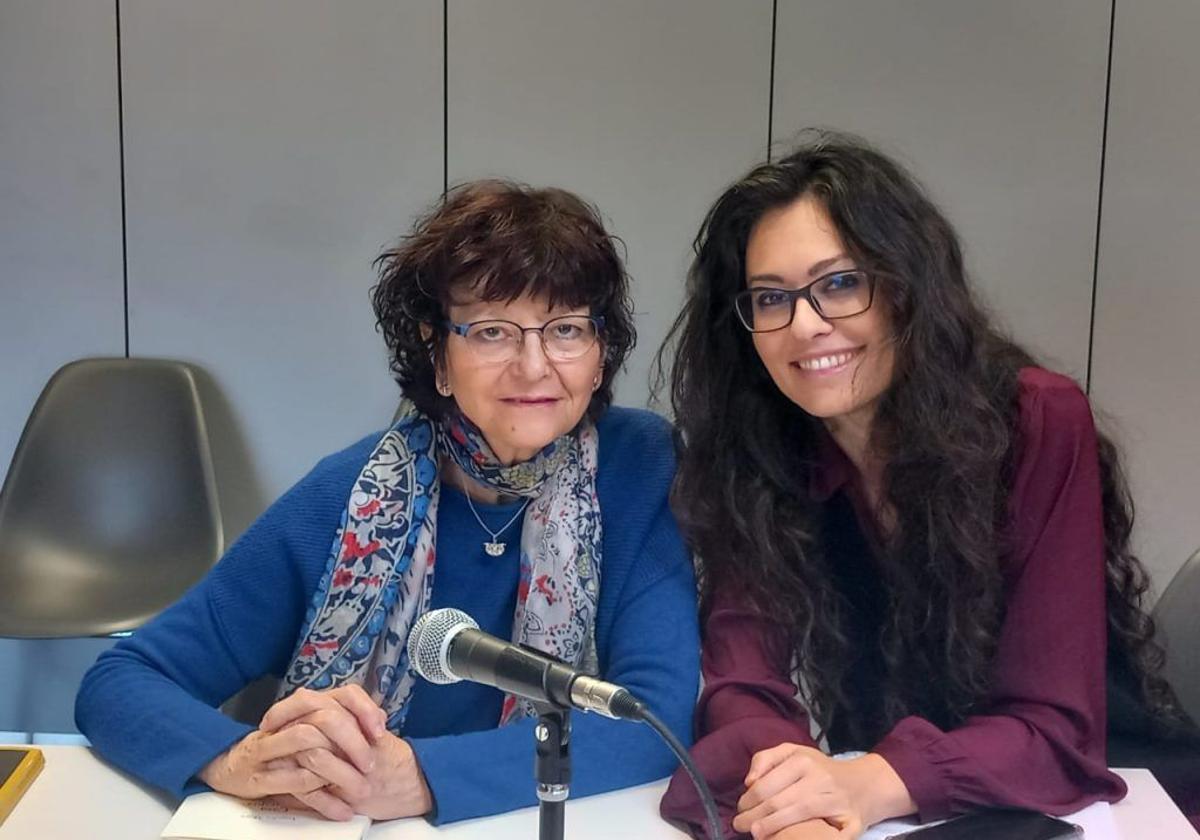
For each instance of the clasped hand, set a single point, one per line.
(329, 750)
(794, 792)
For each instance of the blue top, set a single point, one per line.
(149, 705)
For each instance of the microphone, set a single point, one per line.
(446, 645)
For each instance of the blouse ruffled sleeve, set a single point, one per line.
(1039, 740)
(748, 704)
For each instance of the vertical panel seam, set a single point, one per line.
(121, 154)
(771, 87)
(1112, 25)
(445, 96)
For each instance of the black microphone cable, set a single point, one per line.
(681, 753)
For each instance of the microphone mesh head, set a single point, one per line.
(429, 642)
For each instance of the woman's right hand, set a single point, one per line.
(796, 784)
(263, 764)
(297, 758)
(810, 830)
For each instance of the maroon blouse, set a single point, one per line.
(1038, 741)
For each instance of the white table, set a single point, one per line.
(79, 797)
(1147, 812)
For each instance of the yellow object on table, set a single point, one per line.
(19, 766)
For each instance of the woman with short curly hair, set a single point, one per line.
(507, 487)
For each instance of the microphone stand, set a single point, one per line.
(552, 768)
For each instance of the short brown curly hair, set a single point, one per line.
(500, 240)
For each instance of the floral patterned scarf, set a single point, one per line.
(380, 574)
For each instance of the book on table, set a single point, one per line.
(217, 816)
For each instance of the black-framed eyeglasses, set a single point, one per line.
(564, 339)
(839, 294)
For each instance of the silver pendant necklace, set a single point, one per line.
(493, 547)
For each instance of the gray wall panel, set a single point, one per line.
(647, 109)
(60, 264)
(1146, 354)
(272, 148)
(41, 679)
(60, 198)
(998, 108)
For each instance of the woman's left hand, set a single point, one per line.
(396, 787)
(791, 784)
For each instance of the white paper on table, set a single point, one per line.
(215, 816)
(1096, 820)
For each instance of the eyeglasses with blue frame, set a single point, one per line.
(564, 339)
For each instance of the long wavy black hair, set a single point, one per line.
(946, 427)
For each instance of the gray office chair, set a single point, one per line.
(1177, 615)
(109, 509)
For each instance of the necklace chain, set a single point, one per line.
(493, 547)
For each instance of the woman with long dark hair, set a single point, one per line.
(913, 542)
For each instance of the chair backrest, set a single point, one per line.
(109, 509)
(1177, 615)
